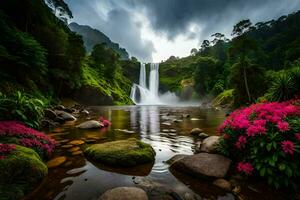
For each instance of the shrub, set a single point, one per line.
(264, 140)
(285, 85)
(16, 132)
(21, 107)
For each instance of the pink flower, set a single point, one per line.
(226, 136)
(245, 167)
(297, 136)
(254, 130)
(241, 142)
(27, 136)
(283, 126)
(105, 122)
(288, 147)
(6, 148)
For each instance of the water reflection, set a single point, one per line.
(88, 180)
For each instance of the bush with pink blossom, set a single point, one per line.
(17, 133)
(264, 140)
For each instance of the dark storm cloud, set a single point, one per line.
(173, 18)
(116, 20)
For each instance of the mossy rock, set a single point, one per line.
(122, 153)
(20, 171)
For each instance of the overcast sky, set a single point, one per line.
(153, 30)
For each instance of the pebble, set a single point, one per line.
(55, 162)
(77, 153)
(76, 142)
(67, 146)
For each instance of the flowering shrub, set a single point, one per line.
(16, 132)
(6, 149)
(264, 139)
(104, 121)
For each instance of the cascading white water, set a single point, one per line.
(141, 95)
(143, 76)
(154, 79)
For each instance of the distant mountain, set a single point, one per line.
(92, 36)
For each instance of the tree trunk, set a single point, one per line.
(246, 83)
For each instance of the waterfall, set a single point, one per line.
(154, 79)
(143, 95)
(143, 76)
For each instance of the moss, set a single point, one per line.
(118, 88)
(124, 153)
(172, 72)
(20, 172)
(224, 98)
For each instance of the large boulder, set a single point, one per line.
(210, 144)
(124, 153)
(124, 193)
(91, 124)
(203, 165)
(176, 158)
(65, 116)
(157, 191)
(20, 171)
(196, 131)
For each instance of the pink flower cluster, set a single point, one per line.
(245, 167)
(6, 149)
(245, 126)
(288, 147)
(104, 121)
(28, 137)
(253, 119)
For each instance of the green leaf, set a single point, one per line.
(272, 162)
(288, 171)
(262, 171)
(281, 167)
(269, 146)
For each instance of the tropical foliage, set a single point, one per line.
(22, 107)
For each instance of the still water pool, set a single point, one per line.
(162, 127)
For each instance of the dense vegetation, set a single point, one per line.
(261, 60)
(42, 57)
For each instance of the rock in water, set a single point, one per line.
(76, 142)
(203, 164)
(124, 193)
(176, 158)
(65, 116)
(91, 124)
(21, 170)
(222, 183)
(158, 191)
(210, 144)
(85, 112)
(55, 162)
(196, 131)
(124, 153)
(50, 114)
(203, 135)
(185, 115)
